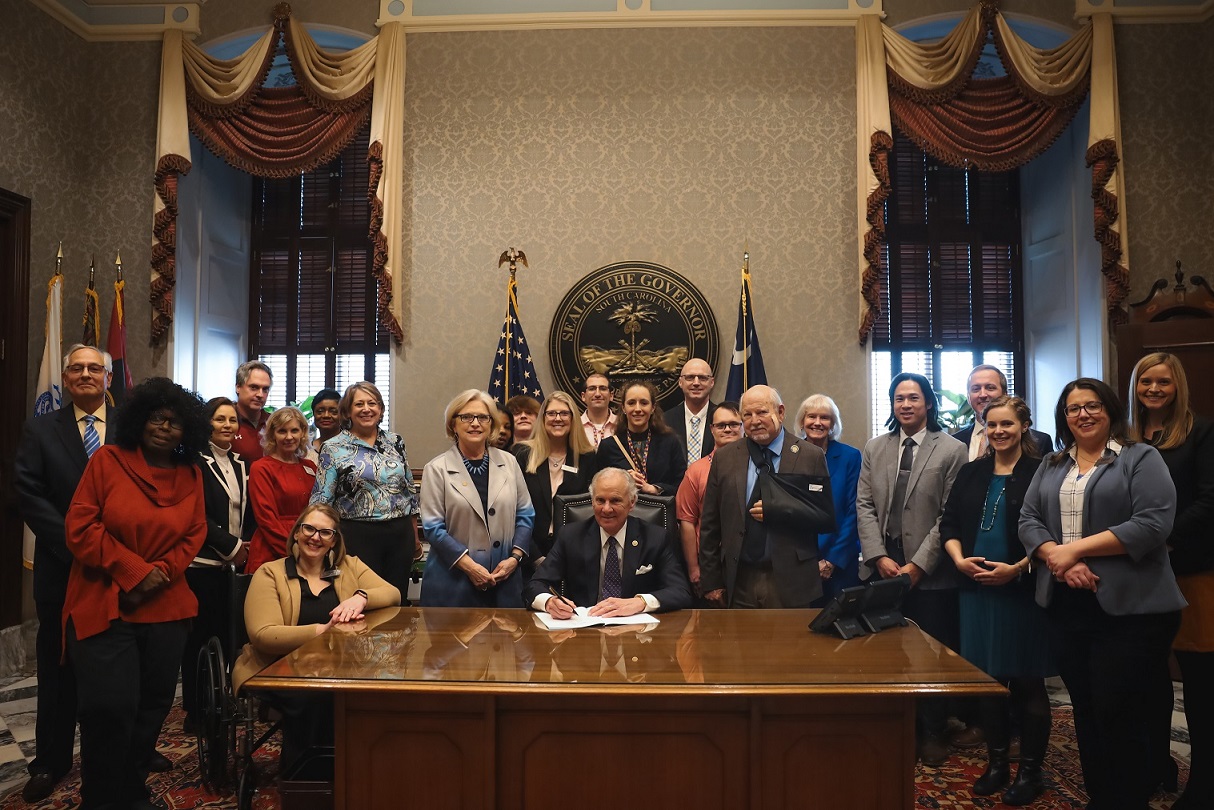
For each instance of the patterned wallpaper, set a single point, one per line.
(65, 103)
(679, 147)
(1165, 75)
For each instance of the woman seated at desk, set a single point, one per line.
(294, 599)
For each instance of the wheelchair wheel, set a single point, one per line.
(213, 751)
(247, 787)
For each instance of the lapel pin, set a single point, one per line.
(635, 543)
(796, 449)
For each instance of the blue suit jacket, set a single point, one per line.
(649, 566)
(841, 548)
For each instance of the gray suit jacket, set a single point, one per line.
(931, 478)
(1132, 496)
(723, 525)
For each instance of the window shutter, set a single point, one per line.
(273, 274)
(953, 292)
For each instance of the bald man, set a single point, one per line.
(743, 563)
(691, 419)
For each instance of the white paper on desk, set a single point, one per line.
(582, 618)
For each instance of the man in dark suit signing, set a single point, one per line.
(692, 418)
(613, 563)
(51, 458)
(985, 384)
(744, 563)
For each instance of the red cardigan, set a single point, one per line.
(278, 493)
(126, 519)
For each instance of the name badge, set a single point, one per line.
(815, 487)
(568, 469)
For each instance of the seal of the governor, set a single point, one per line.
(632, 321)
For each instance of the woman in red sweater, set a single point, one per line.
(136, 522)
(280, 484)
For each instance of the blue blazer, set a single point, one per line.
(1131, 495)
(841, 548)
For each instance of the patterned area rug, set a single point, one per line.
(947, 787)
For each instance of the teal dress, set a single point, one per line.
(1003, 630)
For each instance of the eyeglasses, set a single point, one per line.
(478, 418)
(558, 414)
(80, 368)
(726, 425)
(160, 420)
(696, 377)
(1092, 408)
(308, 530)
(590, 389)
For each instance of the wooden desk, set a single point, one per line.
(451, 708)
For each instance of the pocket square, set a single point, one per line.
(644, 569)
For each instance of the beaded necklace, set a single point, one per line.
(982, 524)
(599, 431)
(480, 467)
(640, 452)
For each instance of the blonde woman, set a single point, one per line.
(280, 483)
(1160, 415)
(558, 459)
(476, 513)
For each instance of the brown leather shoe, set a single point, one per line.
(933, 752)
(969, 737)
(38, 787)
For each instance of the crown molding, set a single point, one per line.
(420, 16)
(1147, 11)
(111, 22)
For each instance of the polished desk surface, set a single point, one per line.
(689, 652)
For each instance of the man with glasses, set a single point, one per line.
(253, 381)
(726, 427)
(690, 419)
(743, 562)
(54, 450)
(598, 421)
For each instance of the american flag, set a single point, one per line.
(513, 369)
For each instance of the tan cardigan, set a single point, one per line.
(271, 612)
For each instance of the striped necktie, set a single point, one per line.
(695, 440)
(91, 440)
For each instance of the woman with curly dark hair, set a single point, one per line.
(136, 522)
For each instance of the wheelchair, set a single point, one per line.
(227, 735)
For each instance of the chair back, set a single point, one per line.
(656, 509)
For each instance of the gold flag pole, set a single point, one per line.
(512, 256)
(745, 328)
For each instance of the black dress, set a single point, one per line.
(539, 485)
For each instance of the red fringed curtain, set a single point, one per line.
(265, 132)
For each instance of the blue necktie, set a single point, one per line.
(91, 440)
(611, 571)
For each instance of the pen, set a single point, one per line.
(563, 599)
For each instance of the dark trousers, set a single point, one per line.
(938, 613)
(1197, 669)
(55, 727)
(210, 586)
(1113, 667)
(127, 677)
(386, 546)
(1029, 706)
(755, 587)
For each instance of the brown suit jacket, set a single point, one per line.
(723, 525)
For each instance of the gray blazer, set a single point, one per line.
(1132, 496)
(931, 478)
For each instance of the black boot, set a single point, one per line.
(997, 773)
(1029, 783)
